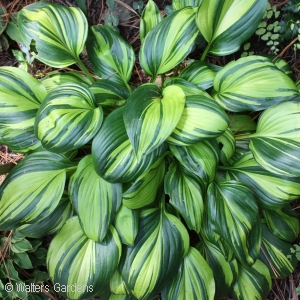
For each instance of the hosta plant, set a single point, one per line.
(176, 188)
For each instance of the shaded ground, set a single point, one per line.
(129, 29)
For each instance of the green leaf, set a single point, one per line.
(21, 246)
(169, 42)
(112, 57)
(59, 32)
(143, 190)
(227, 143)
(241, 124)
(185, 191)
(20, 98)
(56, 79)
(68, 118)
(227, 24)
(113, 155)
(194, 280)
(127, 224)
(276, 143)
(188, 88)
(73, 259)
(201, 159)
(224, 272)
(271, 191)
(150, 116)
(252, 83)
(22, 260)
(107, 92)
(254, 282)
(117, 285)
(150, 17)
(199, 73)
(11, 271)
(274, 253)
(235, 215)
(202, 119)
(51, 224)
(154, 259)
(32, 189)
(97, 211)
(283, 223)
(179, 4)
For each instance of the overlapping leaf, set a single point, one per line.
(202, 118)
(201, 159)
(113, 155)
(224, 272)
(226, 24)
(252, 83)
(112, 57)
(276, 143)
(95, 200)
(68, 118)
(150, 17)
(73, 259)
(185, 191)
(199, 73)
(153, 261)
(143, 191)
(150, 116)
(227, 143)
(283, 223)
(169, 42)
(271, 191)
(179, 4)
(254, 282)
(241, 124)
(33, 188)
(235, 214)
(188, 88)
(194, 279)
(59, 32)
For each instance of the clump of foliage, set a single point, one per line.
(176, 189)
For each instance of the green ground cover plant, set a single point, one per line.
(182, 188)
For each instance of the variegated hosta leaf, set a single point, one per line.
(241, 124)
(95, 200)
(68, 118)
(188, 88)
(143, 191)
(113, 155)
(179, 4)
(252, 283)
(276, 254)
(235, 214)
(59, 32)
(55, 79)
(252, 83)
(127, 224)
(107, 92)
(201, 159)
(150, 17)
(199, 73)
(20, 99)
(117, 285)
(298, 85)
(281, 64)
(283, 223)
(276, 143)
(202, 118)
(32, 189)
(112, 57)
(121, 297)
(52, 223)
(224, 272)
(185, 191)
(226, 24)
(150, 116)
(271, 191)
(227, 142)
(169, 42)
(154, 259)
(74, 259)
(194, 280)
